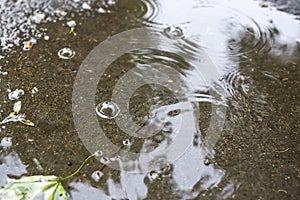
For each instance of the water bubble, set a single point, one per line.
(96, 176)
(6, 142)
(115, 158)
(159, 138)
(206, 162)
(127, 143)
(66, 53)
(164, 168)
(107, 110)
(174, 32)
(34, 90)
(152, 115)
(167, 127)
(104, 160)
(98, 153)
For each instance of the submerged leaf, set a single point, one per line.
(33, 187)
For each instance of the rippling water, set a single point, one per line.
(199, 94)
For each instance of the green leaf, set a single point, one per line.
(33, 187)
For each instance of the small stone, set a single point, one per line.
(46, 37)
(86, 6)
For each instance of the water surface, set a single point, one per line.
(234, 97)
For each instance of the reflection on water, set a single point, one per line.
(11, 165)
(208, 57)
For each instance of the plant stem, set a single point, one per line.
(78, 169)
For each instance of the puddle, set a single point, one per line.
(213, 100)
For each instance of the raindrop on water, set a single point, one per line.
(174, 32)
(66, 53)
(107, 110)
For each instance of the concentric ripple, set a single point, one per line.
(237, 85)
(222, 30)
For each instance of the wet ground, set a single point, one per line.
(234, 97)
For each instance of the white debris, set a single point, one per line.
(3, 73)
(14, 95)
(38, 164)
(6, 142)
(71, 23)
